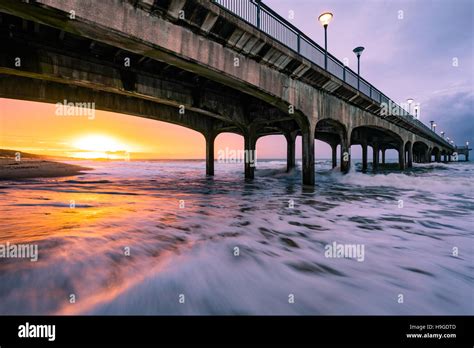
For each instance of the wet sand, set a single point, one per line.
(36, 168)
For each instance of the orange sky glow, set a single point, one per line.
(34, 127)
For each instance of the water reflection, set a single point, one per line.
(191, 249)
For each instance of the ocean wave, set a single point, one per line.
(433, 183)
(182, 229)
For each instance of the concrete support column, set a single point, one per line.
(383, 155)
(410, 156)
(210, 137)
(364, 157)
(401, 156)
(345, 155)
(308, 156)
(250, 154)
(375, 160)
(290, 150)
(334, 155)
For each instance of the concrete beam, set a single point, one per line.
(22, 88)
(209, 22)
(147, 5)
(86, 72)
(175, 7)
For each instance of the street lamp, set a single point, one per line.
(358, 51)
(324, 19)
(434, 127)
(409, 101)
(417, 110)
(442, 134)
(432, 123)
(467, 143)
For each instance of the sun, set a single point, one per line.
(101, 143)
(98, 146)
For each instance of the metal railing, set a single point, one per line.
(262, 17)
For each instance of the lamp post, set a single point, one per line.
(467, 143)
(442, 134)
(409, 101)
(434, 127)
(432, 123)
(324, 19)
(417, 110)
(358, 51)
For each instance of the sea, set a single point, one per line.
(161, 238)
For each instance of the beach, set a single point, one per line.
(36, 168)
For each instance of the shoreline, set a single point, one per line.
(37, 168)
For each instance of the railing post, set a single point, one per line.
(344, 73)
(370, 91)
(258, 14)
(298, 44)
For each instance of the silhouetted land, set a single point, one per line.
(33, 166)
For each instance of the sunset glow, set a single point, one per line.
(40, 131)
(100, 146)
(99, 143)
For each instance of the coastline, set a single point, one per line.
(37, 168)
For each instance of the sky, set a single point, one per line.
(410, 48)
(422, 49)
